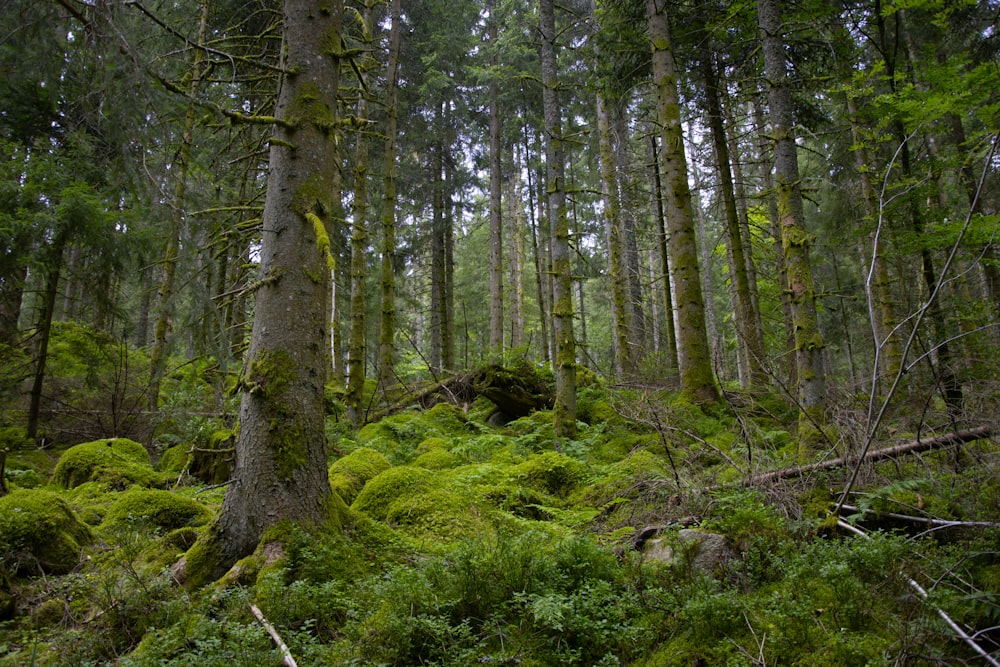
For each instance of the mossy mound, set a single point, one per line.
(174, 460)
(349, 474)
(551, 472)
(41, 533)
(437, 459)
(398, 436)
(155, 508)
(117, 463)
(420, 504)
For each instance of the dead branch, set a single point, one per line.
(912, 447)
(287, 659)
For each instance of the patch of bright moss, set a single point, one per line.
(437, 459)
(379, 493)
(350, 473)
(41, 532)
(117, 463)
(551, 472)
(156, 508)
(174, 460)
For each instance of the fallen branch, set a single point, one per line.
(287, 659)
(962, 634)
(926, 521)
(912, 447)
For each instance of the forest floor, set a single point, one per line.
(665, 534)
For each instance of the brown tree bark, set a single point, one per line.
(279, 473)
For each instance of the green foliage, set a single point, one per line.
(551, 472)
(154, 508)
(117, 463)
(39, 534)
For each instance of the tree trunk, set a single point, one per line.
(387, 330)
(670, 331)
(750, 345)
(693, 352)
(43, 330)
(612, 225)
(811, 386)
(354, 396)
(437, 255)
(161, 329)
(564, 412)
(496, 221)
(280, 468)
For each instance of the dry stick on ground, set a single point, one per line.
(287, 659)
(962, 634)
(935, 524)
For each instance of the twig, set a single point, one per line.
(940, 523)
(288, 660)
(962, 634)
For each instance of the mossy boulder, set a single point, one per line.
(551, 472)
(118, 463)
(382, 491)
(350, 473)
(40, 532)
(174, 460)
(437, 459)
(155, 508)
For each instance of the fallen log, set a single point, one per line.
(912, 447)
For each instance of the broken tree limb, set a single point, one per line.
(962, 634)
(925, 521)
(287, 659)
(912, 447)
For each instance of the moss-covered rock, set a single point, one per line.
(382, 491)
(437, 459)
(350, 473)
(174, 460)
(117, 463)
(155, 508)
(41, 532)
(551, 472)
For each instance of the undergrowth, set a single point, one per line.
(474, 544)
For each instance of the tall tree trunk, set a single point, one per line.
(515, 263)
(43, 329)
(164, 295)
(387, 330)
(750, 344)
(437, 256)
(670, 332)
(541, 263)
(280, 468)
(564, 411)
(766, 159)
(357, 346)
(693, 352)
(633, 272)
(877, 283)
(811, 386)
(616, 264)
(496, 221)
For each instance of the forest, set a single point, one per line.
(508, 332)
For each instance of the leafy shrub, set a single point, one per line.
(117, 463)
(39, 532)
(155, 508)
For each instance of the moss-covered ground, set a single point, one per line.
(474, 544)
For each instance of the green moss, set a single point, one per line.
(116, 463)
(174, 460)
(202, 560)
(41, 532)
(156, 508)
(437, 459)
(551, 472)
(377, 497)
(349, 474)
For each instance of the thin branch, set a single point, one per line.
(287, 659)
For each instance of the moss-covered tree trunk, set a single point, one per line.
(359, 243)
(387, 330)
(669, 331)
(748, 336)
(811, 387)
(496, 218)
(280, 467)
(612, 226)
(564, 412)
(693, 354)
